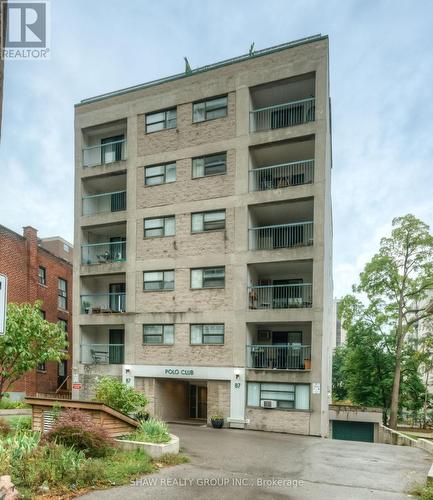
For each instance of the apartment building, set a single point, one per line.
(35, 273)
(203, 219)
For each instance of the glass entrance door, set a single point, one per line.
(197, 401)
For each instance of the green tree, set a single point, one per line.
(29, 340)
(339, 387)
(119, 396)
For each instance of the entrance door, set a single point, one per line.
(116, 346)
(117, 297)
(111, 152)
(197, 401)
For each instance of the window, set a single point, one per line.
(160, 174)
(43, 314)
(210, 277)
(208, 221)
(158, 334)
(158, 280)
(42, 275)
(161, 226)
(63, 325)
(287, 396)
(207, 334)
(41, 367)
(209, 165)
(66, 247)
(209, 109)
(63, 294)
(161, 120)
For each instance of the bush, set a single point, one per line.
(5, 428)
(151, 431)
(76, 429)
(119, 396)
(13, 447)
(22, 423)
(7, 404)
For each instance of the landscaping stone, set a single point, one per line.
(155, 450)
(7, 489)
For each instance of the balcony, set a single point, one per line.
(104, 144)
(100, 303)
(103, 253)
(102, 354)
(104, 203)
(284, 175)
(281, 236)
(280, 285)
(284, 103)
(279, 357)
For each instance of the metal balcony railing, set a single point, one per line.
(103, 253)
(283, 175)
(97, 303)
(280, 296)
(279, 357)
(102, 354)
(283, 115)
(104, 203)
(104, 153)
(281, 236)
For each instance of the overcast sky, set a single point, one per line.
(381, 62)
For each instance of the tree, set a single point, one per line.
(339, 387)
(396, 283)
(29, 340)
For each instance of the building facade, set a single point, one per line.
(33, 274)
(203, 218)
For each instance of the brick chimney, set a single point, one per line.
(31, 235)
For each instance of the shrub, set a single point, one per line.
(22, 423)
(5, 428)
(152, 431)
(76, 429)
(119, 396)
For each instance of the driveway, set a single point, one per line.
(237, 464)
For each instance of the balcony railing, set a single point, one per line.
(104, 203)
(281, 236)
(104, 153)
(280, 296)
(102, 354)
(97, 303)
(103, 253)
(279, 357)
(283, 115)
(280, 176)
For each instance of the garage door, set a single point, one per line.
(353, 431)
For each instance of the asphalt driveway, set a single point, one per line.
(236, 464)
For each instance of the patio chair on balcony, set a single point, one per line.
(99, 357)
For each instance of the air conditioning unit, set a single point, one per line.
(268, 403)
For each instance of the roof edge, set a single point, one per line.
(203, 69)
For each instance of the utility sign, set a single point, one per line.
(3, 302)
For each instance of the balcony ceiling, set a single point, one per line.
(282, 92)
(282, 213)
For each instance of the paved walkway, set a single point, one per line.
(236, 464)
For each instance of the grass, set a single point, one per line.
(151, 431)
(170, 459)
(423, 492)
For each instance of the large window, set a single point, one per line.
(209, 109)
(158, 334)
(63, 294)
(286, 396)
(207, 334)
(158, 280)
(208, 221)
(42, 275)
(160, 174)
(160, 226)
(204, 166)
(208, 277)
(161, 120)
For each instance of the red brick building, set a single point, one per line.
(35, 273)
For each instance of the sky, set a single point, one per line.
(381, 75)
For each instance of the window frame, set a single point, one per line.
(41, 367)
(205, 102)
(204, 335)
(204, 158)
(163, 281)
(203, 269)
(163, 227)
(203, 222)
(163, 175)
(162, 334)
(281, 408)
(44, 281)
(62, 295)
(165, 121)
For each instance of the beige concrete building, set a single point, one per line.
(203, 214)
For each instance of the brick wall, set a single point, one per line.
(20, 258)
(218, 399)
(292, 422)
